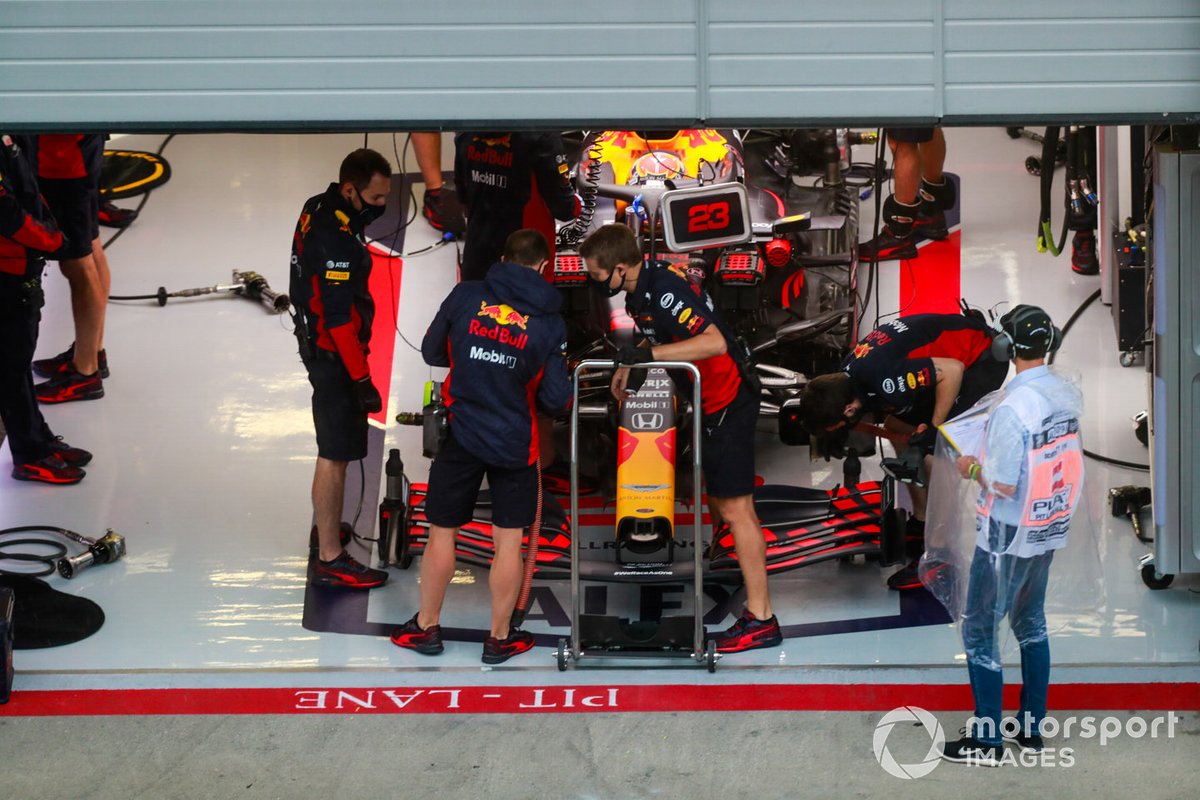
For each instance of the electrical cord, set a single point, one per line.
(1116, 462)
(145, 197)
(49, 561)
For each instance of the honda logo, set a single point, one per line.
(647, 422)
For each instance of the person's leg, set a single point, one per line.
(979, 630)
(932, 157)
(87, 309)
(437, 569)
(101, 260)
(428, 150)
(504, 579)
(751, 550)
(328, 495)
(1028, 620)
(906, 172)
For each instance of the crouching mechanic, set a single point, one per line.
(331, 267)
(918, 372)
(676, 315)
(505, 344)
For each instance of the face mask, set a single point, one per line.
(369, 213)
(606, 286)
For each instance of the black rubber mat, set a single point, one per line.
(46, 617)
(128, 173)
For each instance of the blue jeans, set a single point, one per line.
(1006, 585)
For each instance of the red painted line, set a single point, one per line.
(384, 285)
(576, 699)
(931, 283)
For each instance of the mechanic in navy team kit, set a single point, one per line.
(676, 316)
(330, 270)
(509, 181)
(505, 345)
(917, 371)
(27, 235)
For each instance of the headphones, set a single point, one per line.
(1024, 323)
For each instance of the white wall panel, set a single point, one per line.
(174, 64)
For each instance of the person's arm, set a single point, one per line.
(553, 179)
(706, 344)
(947, 382)
(555, 390)
(337, 256)
(435, 347)
(20, 226)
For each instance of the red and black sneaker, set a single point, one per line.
(497, 651)
(73, 456)
(49, 367)
(70, 385)
(426, 641)
(749, 633)
(346, 572)
(909, 577)
(444, 210)
(345, 534)
(930, 224)
(51, 469)
(887, 247)
(113, 216)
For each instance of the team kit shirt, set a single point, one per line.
(505, 344)
(331, 269)
(27, 229)
(892, 367)
(510, 181)
(668, 305)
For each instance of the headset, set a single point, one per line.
(1023, 322)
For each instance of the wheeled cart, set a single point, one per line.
(606, 636)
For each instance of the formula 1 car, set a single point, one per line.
(779, 259)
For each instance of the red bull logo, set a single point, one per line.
(502, 314)
(500, 335)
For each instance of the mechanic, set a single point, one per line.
(505, 344)
(330, 270)
(1032, 461)
(921, 195)
(509, 181)
(916, 371)
(68, 170)
(676, 316)
(27, 235)
(440, 205)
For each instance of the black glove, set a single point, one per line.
(924, 440)
(368, 395)
(635, 355)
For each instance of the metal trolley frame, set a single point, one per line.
(578, 647)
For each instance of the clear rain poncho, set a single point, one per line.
(987, 556)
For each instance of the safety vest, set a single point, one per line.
(1053, 479)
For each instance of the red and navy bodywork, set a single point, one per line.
(505, 345)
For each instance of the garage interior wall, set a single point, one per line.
(163, 64)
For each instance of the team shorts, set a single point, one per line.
(727, 447)
(454, 481)
(338, 417)
(910, 135)
(75, 203)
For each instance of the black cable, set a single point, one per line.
(49, 561)
(1116, 462)
(145, 197)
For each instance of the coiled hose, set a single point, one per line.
(573, 232)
